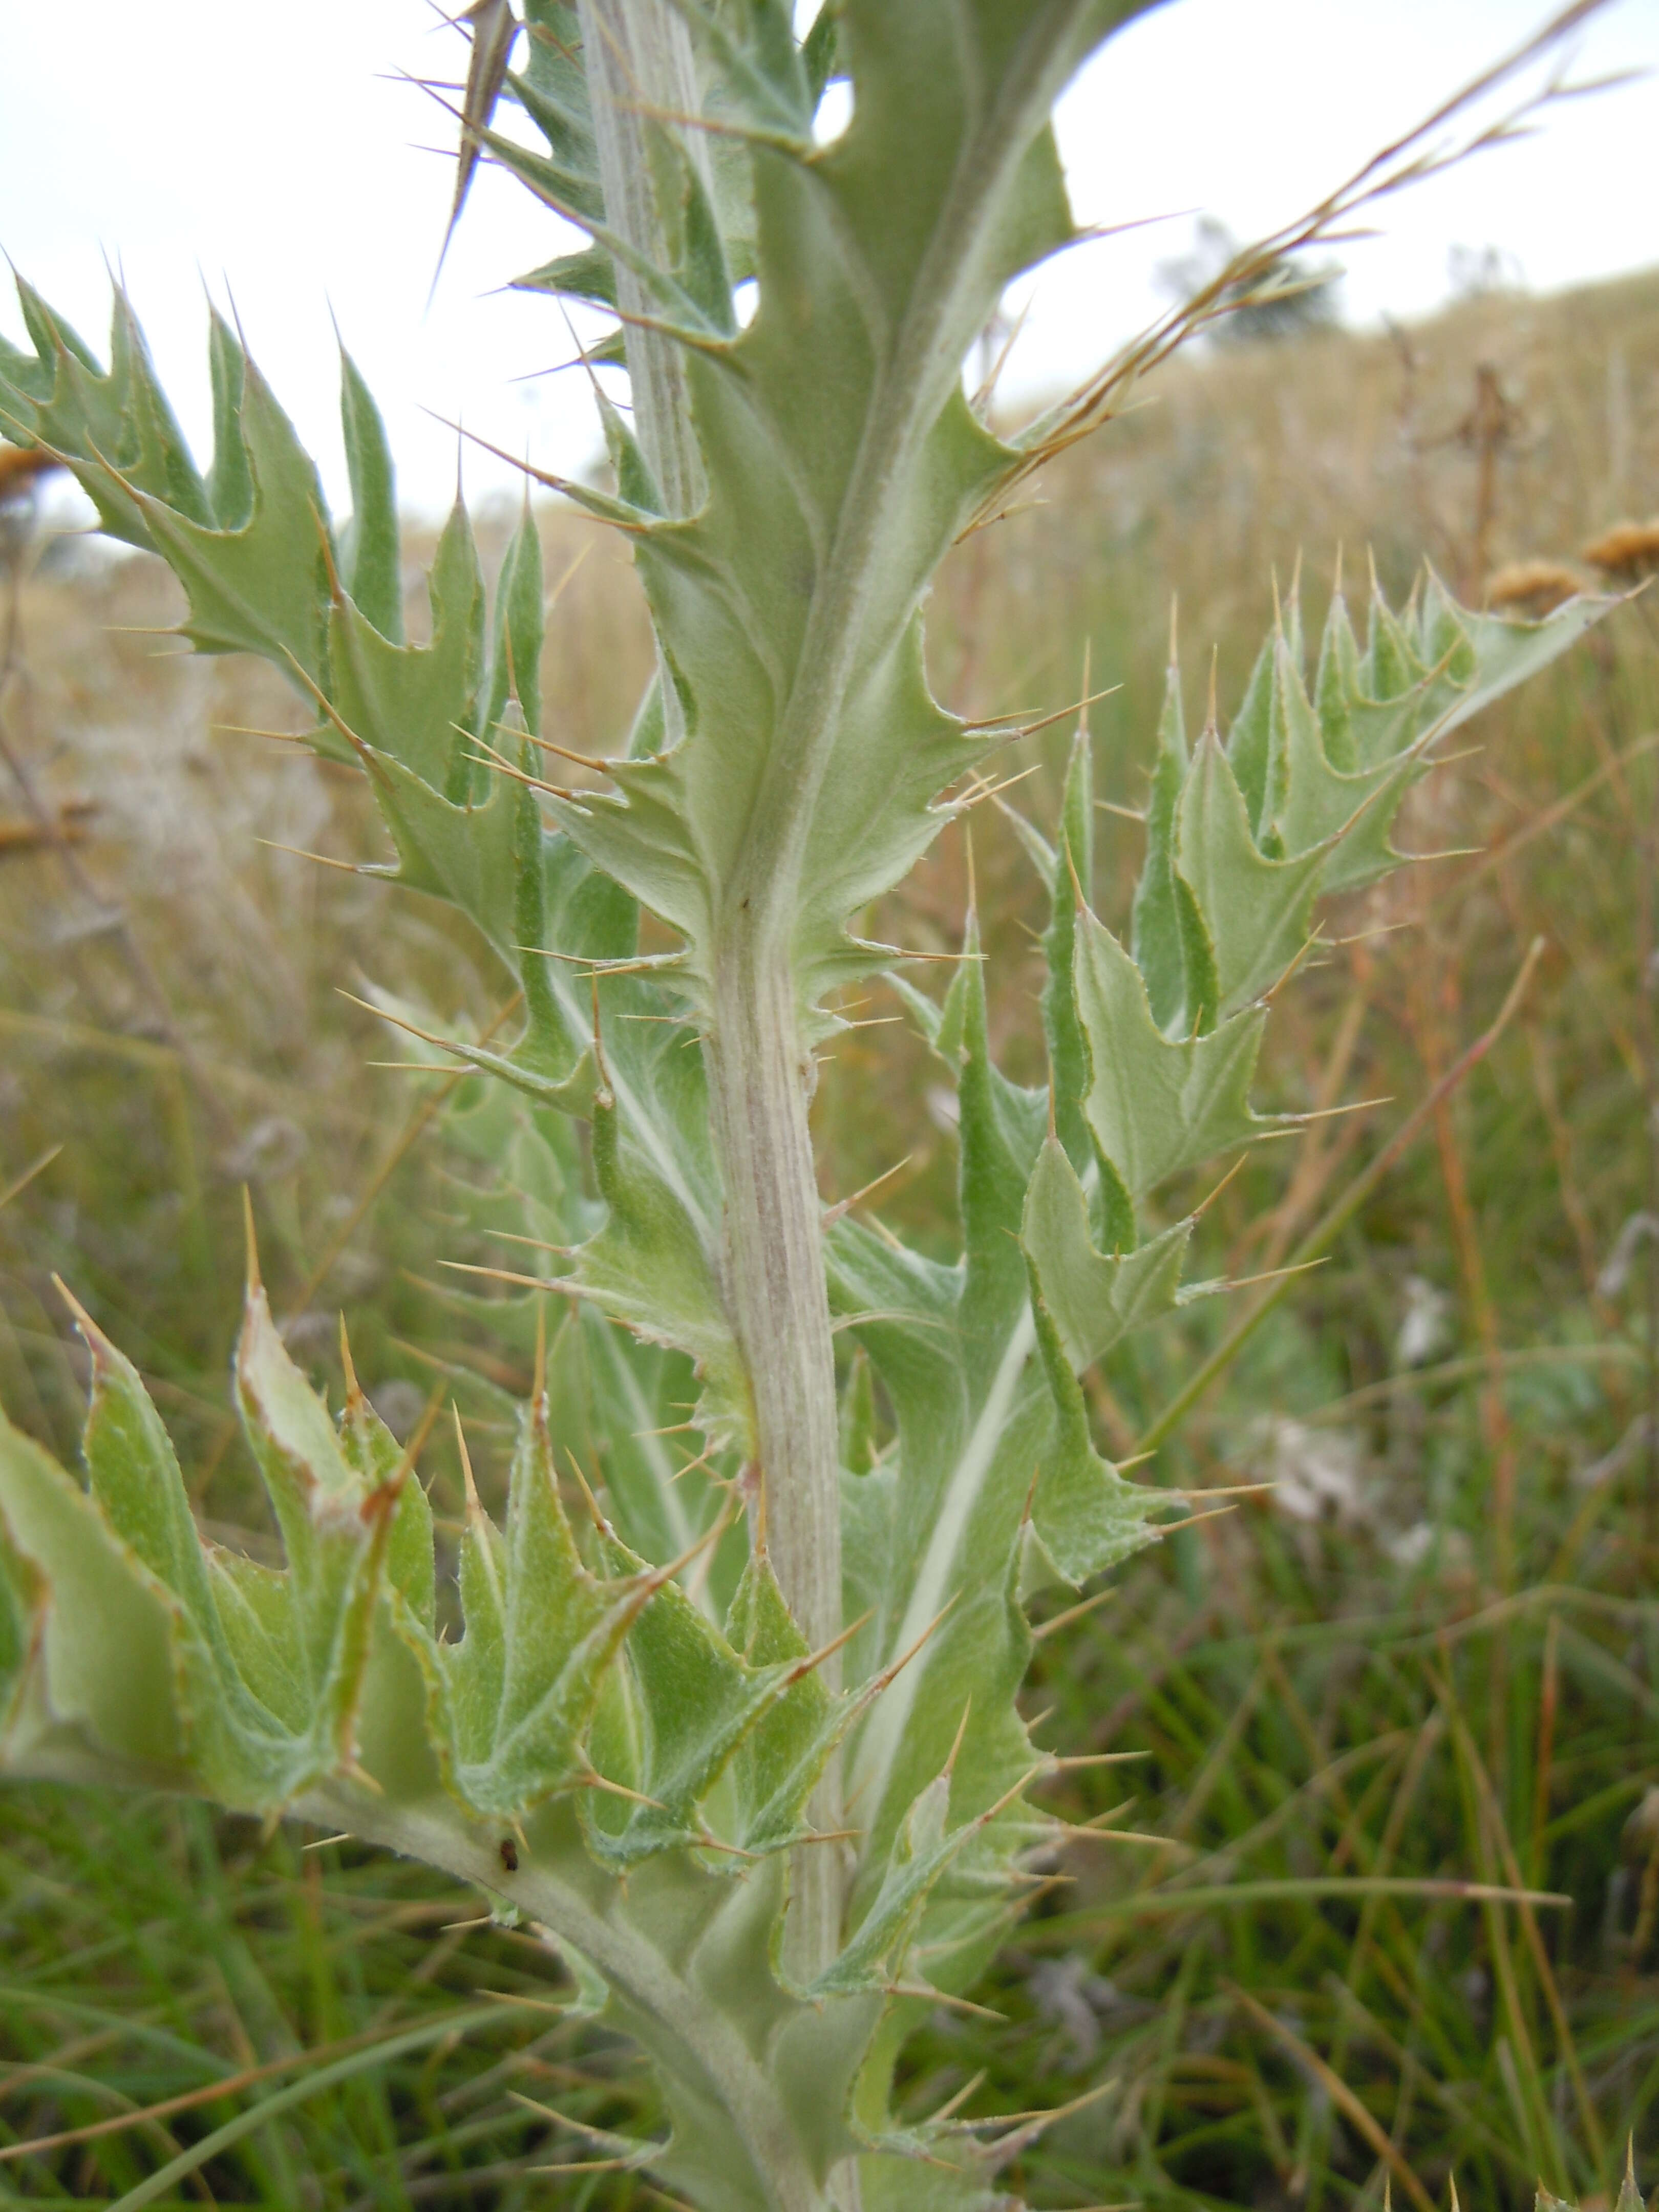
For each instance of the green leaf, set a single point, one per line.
(553, 92)
(302, 1636)
(652, 1265)
(1083, 1516)
(512, 1703)
(371, 561)
(1255, 911)
(935, 1537)
(262, 588)
(857, 1416)
(922, 1849)
(1072, 876)
(814, 755)
(626, 1756)
(689, 1704)
(377, 1460)
(414, 703)
(766, 80)
(1321, 802)
(1250, 742)
(262, 1669)
(1157, 1107)
(230, 480)
(516, 665)
(1092, 1298)
(100, 1704)
(1161, 932)
(22, 1618)
(248, 1744)
(781, 1756)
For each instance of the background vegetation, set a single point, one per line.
(1430, 1656)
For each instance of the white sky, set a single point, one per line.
(273, 155)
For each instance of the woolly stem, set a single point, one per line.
(638, 58)
(779, 1309)
(697, 2043)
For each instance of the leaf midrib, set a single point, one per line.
(960, 1493)
(759, 897)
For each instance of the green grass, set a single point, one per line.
(1448, 1676)
(154, 1955)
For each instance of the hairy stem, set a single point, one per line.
(639, 58)
(669, 2012)
(779, 1309)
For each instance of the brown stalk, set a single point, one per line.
(1342, 2097)
(1419, 155)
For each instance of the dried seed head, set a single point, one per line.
(20, 467)
(1533, 587)
(1629, 551)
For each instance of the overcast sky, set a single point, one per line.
(275, 156)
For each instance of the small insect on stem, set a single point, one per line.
(509, 1851)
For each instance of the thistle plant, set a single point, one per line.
(737, 1728)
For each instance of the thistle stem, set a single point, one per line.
(637, 55)
(775, 1292)
(671, 2015)
(640, 69)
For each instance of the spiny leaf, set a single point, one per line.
(512, 1703)
(307, 1628)
(1093, 1298)
(780, 1760)
(693, 1703)
(266, 1666)
(1630, 2197)
(1073, 873)
(99, 1703)
(651, 1266)
(1155, 1106)
(371, 561)
(516, 665)
(786, 770)
(1083, 1516)
(260, 586)
(857, 1416)
(377, 1459)
(924, 1850)
(492, 28)
(933, 1535)
(414, 704)
(230, 480)
(1255, 909)
(844, 761)
(1164, 934)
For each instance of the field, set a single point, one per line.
(1428, 1658)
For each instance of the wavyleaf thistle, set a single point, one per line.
(660, 1779)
